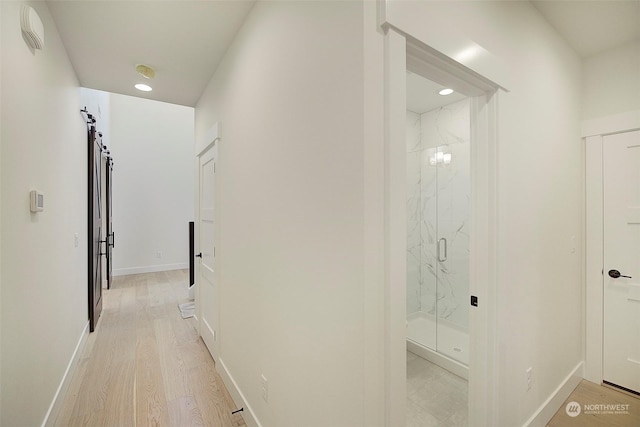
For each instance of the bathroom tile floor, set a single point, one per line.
(435, 396)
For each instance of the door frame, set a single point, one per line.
(401, 52)
(211, 141)
(593, 133)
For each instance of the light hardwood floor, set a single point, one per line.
(588, 394)
(145, 365)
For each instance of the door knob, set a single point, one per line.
(199, 255)
(615, 274)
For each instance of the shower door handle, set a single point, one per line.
(442, 249)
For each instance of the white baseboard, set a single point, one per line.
(58, 398)
(554, 402)
(149, 269)
(238, 398)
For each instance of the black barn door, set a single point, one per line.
(95, 230)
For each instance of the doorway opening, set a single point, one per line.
(455, 313)
(438, 138)
(612, 295)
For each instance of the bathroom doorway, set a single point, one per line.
(405, 54)
(438, 138)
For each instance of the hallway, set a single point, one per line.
(145, 365)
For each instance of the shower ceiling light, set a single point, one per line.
(143, 87)
(446, 91)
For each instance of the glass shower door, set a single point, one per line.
(452, 249)
(439, 189)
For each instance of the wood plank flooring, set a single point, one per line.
(145, 365)
(588, 394)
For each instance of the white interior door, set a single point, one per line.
(207, 293)
(621, 187)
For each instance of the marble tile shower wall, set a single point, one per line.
(439, 190)
(414, 207)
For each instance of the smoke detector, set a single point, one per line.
(32, 27)
(145, 71)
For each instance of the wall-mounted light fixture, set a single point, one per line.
(439, 158)
(32, 27)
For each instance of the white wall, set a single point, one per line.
(44, 276)
(1, 46)
(611, 83)
(539, 190)
(98, 104)
(153, 183)
(289, 99)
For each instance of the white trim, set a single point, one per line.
(554, 402)
(63, 387)
(395, 215)
(450, 40)
(483, 369)
(593, 130)
(593, 265)
(150, 269)
(483, 264)
(373, 214)
(238, 398)
(616, 123)
(425, 60)
(210, 138)
(206, 329)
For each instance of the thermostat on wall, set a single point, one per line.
(37, 201)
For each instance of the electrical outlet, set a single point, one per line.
(76, 240)
(265, 388)
(158, 254)
(529, 374)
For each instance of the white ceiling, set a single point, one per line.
(422, 94)
(588, 26)
(593, 26)
(182, 40)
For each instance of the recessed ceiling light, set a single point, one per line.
(446, 92)
(143, 87)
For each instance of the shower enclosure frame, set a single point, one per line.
(402, 53)
(435, 350)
